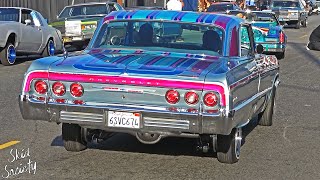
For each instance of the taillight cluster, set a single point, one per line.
(76, 90)
(210, 99)
(172, 96)
(281, 37)
(41, 87)
(191, 98)
(58, 88)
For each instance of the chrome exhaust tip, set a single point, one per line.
(148, 138)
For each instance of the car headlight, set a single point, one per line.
(88, 27)
(293, 13)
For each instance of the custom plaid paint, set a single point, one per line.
(179, 83)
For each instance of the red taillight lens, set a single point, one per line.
(191, 98)
(210, 99)
(41, 87)
(281, 37)
(76, 90)
(172, 96)
(58, 89)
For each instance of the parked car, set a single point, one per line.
(23, 32)
(267, 31)
(77, 23)
(316, 10)
(223, 7)
(290, 12)
(132, 79)
(313, 7)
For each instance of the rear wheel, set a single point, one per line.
(49, 50)
(280, 55)
(73, 137)
(265, 118)
(8, 54)
(228, 146)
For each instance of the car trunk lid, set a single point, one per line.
(132, 79)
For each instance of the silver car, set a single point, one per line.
(24, 32)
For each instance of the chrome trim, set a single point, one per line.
(166, 123)
(80, 116)
(250, 100)
(156, 121)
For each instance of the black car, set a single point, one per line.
(223, 7)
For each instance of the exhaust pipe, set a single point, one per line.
(148, 138)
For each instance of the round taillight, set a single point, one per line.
(172, 96)
(58, 89)
(210, 99)
(191, 98)
(76, 90)
(41, 87)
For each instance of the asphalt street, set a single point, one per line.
(287, 150)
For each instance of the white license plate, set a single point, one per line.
(77, 38)
(123, 119)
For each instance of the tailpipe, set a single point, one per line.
(148, 138)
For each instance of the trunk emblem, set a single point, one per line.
(116, 89)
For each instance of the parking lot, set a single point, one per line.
(287, 150)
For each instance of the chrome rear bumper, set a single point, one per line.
(155, 121)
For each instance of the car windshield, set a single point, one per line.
(291, 4)
(220, 7)
(9, 14)
(85, 10)
(161, 36)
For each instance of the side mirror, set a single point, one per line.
(259, 49)
(27, 22)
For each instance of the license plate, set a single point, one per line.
(67, 39)
(123, 119)
(77, 38)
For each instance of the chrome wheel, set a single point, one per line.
(11, 54)
(238, 141)
(51, 48)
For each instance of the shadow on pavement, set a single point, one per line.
(300, 48)
(172, 146)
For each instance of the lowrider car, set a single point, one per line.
(77, 23)
(23, 32)
(290, 12)
(208, 84)
(267, 31)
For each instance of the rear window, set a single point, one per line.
(86, 10)
(292, 4)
